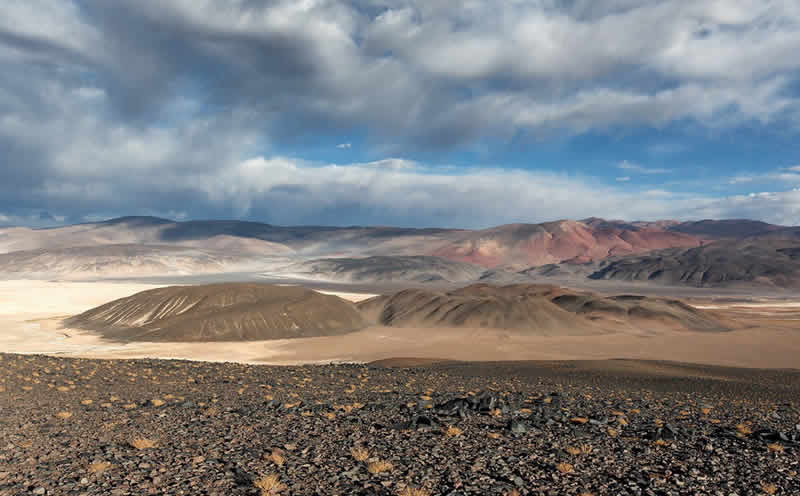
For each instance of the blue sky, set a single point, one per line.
(414, 113)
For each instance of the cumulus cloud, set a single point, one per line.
(159, 107)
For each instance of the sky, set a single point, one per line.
(408, 113)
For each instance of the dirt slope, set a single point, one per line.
(534, 309)
(221, 312)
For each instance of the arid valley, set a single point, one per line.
(581, 375)
(399, 248)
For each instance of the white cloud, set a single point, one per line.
(344, 146)
(634, 167)
(623, 179)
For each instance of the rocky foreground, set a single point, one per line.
(138, 427)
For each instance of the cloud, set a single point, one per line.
(145, 106)
(623, 179)
(633, 167)
(344, 146)
(422, 71)
(788, 176)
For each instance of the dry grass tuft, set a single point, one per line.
(565, 468)
(359, 454)
(453, 431)
(269, 484)
(142, 443)
(775, 448)
(277, 457)
(157, 402)
(572, 450)
(411, 491)
(379, 466)
(586, 449)
(98, 467)
(744, 429)
(769, 488)
(86, 402)
(579, 420)
(64, 415)
(494, 435)
(513, 492)
(660, 442)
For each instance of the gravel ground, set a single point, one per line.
(141, 427)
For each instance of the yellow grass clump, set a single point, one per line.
(565, 468)
(769, 488)
(453, 431)
(141, 443)
(744, 429)
(579, 420)
(98, 467)
(269, 484)
(775, 448)
(277, 458)
(359, 454)
(412, 491)
(64, 415)
(380, 466)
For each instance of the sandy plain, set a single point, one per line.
(31, 312)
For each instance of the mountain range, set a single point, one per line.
(699, 253)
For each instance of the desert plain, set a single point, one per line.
(241, 370)
(765, 334)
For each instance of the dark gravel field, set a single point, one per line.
(142, 427)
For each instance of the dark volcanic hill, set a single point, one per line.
(221, 312)
(773, 263)
(534, 309)
(725, 229)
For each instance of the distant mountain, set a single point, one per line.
(521, 246)
(382, 269)
(388, 268)
(726, 229)
(121, 260)
(764, 262)
(503, 249)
